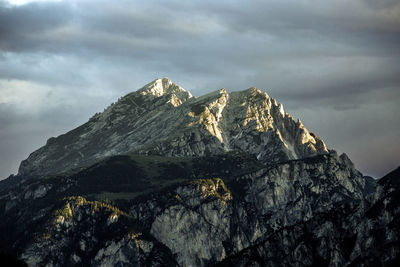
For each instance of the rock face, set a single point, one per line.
(163, 119)
(161, 178)
(93, 233)
(194, 222)
(362, 233)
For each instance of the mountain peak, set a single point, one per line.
(162, 86)
(164, 119)
(158, 87)
(254, 90)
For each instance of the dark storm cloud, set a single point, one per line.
(382, 3)
(101, 25)
(326, 56)
(95, 27)
(22, 28)
(352, 84)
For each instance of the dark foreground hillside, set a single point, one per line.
(226, 210)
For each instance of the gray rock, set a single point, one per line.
(162, 118)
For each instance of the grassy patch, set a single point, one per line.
(213, 187)
(65, 212)
(95, 206)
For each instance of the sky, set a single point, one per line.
(333, 64)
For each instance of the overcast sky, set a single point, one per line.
(333, 64)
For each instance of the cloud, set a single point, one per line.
(22, 27)
(72, 58)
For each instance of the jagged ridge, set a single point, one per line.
(163, 119)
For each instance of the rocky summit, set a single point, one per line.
(163, 178)
(163, 119)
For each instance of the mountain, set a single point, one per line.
(355, 234)
(162, 178)
(163, 119)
